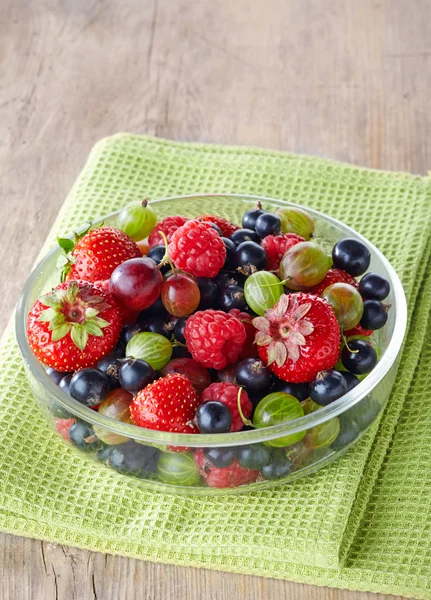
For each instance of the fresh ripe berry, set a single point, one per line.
(180, 294)
(277, 408)
(359, 358)
(230, 246)
(64, 384)
(227, 477)
(278, 466)
(167, 226)
(298, 338)
(227, 228)
(159, 326)
(97, 254)
(215, 227)
(250, 217)
(252, 374)
(220, 457)
(276, 247)
(231, 297)
(214, 338)
(155, 349)
(198, 375)
(296, 220)
(213, 417)
(136, 283)
(131, 457)
(249, 348)
(327, 387)
(352, 256)
(268, 224)
(375, 315)
(179, 330)
(351, 379)
(168, 404)
(208, 290)
(253, 457)
(135, 374)
(226, 375)
(127, 333)
(346, 302)
(83, 437)
(137, 219)
(197, 249)
(298, 390)
(73, 326)
(157, 253)
(374, 286)
(304, 265)
(244, 235)
(155, 310)
(180, 352)
(178, 469)
(250, 257)
(225, 278)
(227, 393)
(110, 364)
(56, 376)
(62, 427)
(358, 330)
(89, 386)
(333, 276)
(262, 289)
(116, 406)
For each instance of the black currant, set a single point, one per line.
(253, 457)
(250, 217)
(215, 227)
(254, 376)
(268, 224)
(82, 436)
(298, 390)
(89, 386)
(220, 457)
(158, 325)
(244, 235)
(180, 352)
(251, 256)
(65, 383)
(155, 310)
(213, 417)
(327, 387)
(56, 376)
(110, 364)
(279, 465)
(229, 263)
(374, 316)
(128, 332)
(135, 374)
(224, 278)
(374, 286)
(156, 253)
(359, 358)
(180, 325)
(352, 256)
(208, 290)
(351, 380)
(230, 297)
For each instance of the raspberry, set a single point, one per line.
(229, 477)
(197, 249)
(227, 228)
(228, 394)
(249, 349)
(214, 338)
(333, 276)
(276, 247)
(168, 226)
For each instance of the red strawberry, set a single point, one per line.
(214, 338)
(97, 254)
(62, 427)
(333, 276)
(228, 394)
(73, 326)
(276, 247)
(228, 477)
(227, 228)
(299, 337)
(249, 349)
(168, 404)
(168, 226)
(197, 249)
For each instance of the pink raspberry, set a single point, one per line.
(168, 226)
(227, 228)
(276, 247)
(197, 249)
(229, 477)
(249, 349)
(228, 394)
(214, 338)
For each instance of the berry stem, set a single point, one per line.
(165, 257)
(346, 344)
(144, 203)
(258, 204)
(241, 414)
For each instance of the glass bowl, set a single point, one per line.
(168, 461)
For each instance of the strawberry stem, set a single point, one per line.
(241, 414)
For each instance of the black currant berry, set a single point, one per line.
(374, 316)
(250, 256)
(135, 374)
(327, 387)
(244, 235)
(359, 358)
(213, 417)
(268, 224)
(220, 457)
(89, 386)
(374, 286)
(254, 376)
(352, 256)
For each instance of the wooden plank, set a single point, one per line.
(349, 80)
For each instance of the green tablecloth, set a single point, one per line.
(362, 523)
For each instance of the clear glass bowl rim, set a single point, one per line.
(229, 439)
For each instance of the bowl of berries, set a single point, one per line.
(212, 344)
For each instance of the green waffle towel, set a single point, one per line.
(364, 522)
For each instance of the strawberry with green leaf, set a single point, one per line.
(73, 326)
(94, 254)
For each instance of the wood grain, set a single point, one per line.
(345, 79)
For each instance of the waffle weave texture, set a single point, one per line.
(364, 522)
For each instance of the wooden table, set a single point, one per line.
(344, 79)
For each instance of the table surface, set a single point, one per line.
(343, 79)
